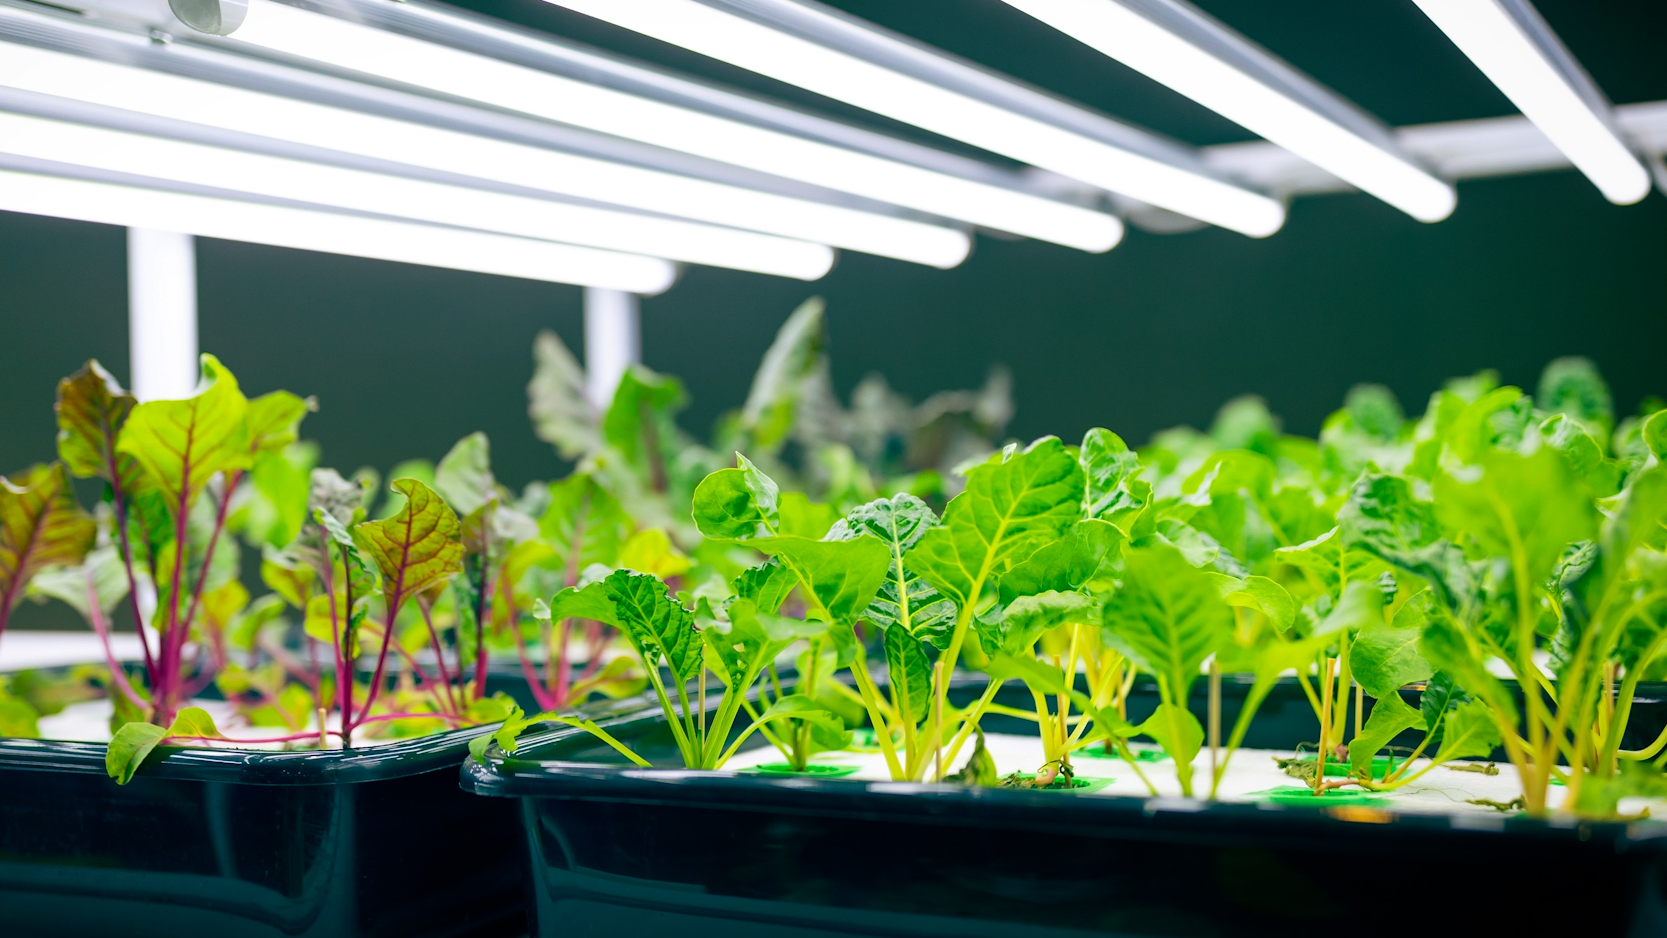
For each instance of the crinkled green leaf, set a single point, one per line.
(1017, 626)
(904, 598)
(653, 621)
(909, 672)
(839, 577)
(766, 585)
(1067, 564)
(1012, 506)
(1106, 461)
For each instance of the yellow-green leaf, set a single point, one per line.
(91, 409)
(40, 524)
(183, 444)
(420, 546)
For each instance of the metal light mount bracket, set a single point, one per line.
(215, 17)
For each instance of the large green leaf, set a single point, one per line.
(591, 601)
(766, 586)
(274, 420)
(904, 598)
(1444, 645)
(1179, 733)
(909, 671)
(464, 476)
(584, 524)
(1167, 617)
(417, 548)
(1263, 595)
(40, 525)
(92, 407)
(1384, 658)
(1468, 733)
(737, 503)
(1012, 506)
(183, 444)
(791, 360)
(1066, 564)
(840, 577)
(99, 578)
(556, 402)
(1106, 462)
(1334, 562)
(1584, 453)
(654, 622)
(135, 741)
(751, 639)
(1016, 627)
(638, 424)
(1527, 509)
(1390, 717)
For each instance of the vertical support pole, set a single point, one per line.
(162, 313)
(613, 341)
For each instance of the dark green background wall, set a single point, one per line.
(1157, 332)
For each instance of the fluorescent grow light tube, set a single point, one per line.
(530, 91)
(1175, 44)
(1520, 54)
(375, 193)
(308, 230)
(209, 104)
(982, 111)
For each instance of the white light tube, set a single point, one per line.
(354, 236)
(1169, 58)
(843, 77)
(1494, 38)
(541, 94)
(162, 313)
(300, 181)
(200, 102)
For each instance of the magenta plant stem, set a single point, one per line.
(545, 700)
(118, 502)
(271, 739)
(445, 695)
(383, 717)
(483, 607)
(118, 675)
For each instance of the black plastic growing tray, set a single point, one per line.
(617, 850)
(377, 841)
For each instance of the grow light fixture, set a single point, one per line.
(845, 59)
(396, 196)
(209, 104)
(1518, 52)
(1177, 45)
(310, 230)
(514, 87)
